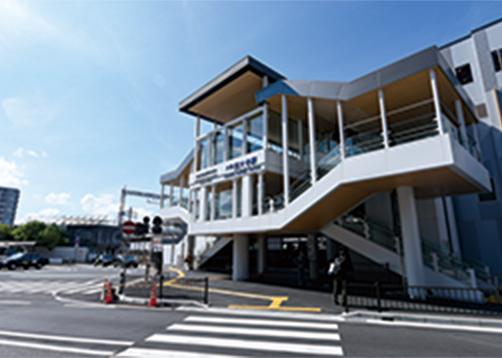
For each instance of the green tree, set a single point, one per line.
(29, 231)
(51, 236)
(6, 232)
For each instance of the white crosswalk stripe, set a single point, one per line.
(223, 336)
(51, 286)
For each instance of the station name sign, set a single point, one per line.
(231, 169)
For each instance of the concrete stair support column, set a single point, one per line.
(240, 258)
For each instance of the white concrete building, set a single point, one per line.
(383, 165)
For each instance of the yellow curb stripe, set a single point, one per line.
(282, 308)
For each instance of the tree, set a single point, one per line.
(29, 231)
(6, 232)
(51, 236)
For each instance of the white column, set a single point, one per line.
(240, 258)
(437, 103)
(171, 194)
(197, 127)
(383, 115)
(410, 233)
(225, 145)
(162, 196)
(312, 144)
(285, 157)
(244, 136)
(340, 129)
(234, 198)
(182, 189)
(190, 206)
(262, 254)
(247, 195)
(197, 134)
(460, 116)
(260, 193)
(300, 139)
(312, 256)
(213, 201)
(210, 144)
(203, 203)
(265, 126)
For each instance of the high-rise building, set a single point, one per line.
(9, 198)
(403, 166)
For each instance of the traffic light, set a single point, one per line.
(157, 225)
(141, 229)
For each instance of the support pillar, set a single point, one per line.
(437, 103)
(410, 233)
(265, 126)
(262, 254)
(247, 195)
(383, 115)
(340, 129)
(312, 256)
(203, 203)
(240, 258)
(171, 194)
(261, 190)
(285, 156)
(162, 194)
(234, 198)
(213, 203)
(312, 144)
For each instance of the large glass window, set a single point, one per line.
(203, 153)
(497, 59)
(235, 137)
(218, 148)
(223, 204)
(255, 133)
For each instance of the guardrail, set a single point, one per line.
(380, 297)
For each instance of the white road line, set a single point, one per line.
(161, 353)
(67, 339)
(243, 312)
(55, 348)
(262, 322)
(255, 332)
(250, 344)
(425, 325)
(11, 302)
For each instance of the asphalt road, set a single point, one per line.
(35, 323)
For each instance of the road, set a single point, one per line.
(35, 323)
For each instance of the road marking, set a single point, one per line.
(254, 332)
(160, 353)
(67, 339)
(262, 322)
(243, 344)
(274, 305)
(54, 348)
(11, 302)
(426, 325)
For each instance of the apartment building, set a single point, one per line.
(9, 198)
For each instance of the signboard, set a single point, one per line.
(128, 227)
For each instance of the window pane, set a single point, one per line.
(464, 74)
(235, 141)
(496, 58)
(255, 133)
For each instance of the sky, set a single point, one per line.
(89, 90)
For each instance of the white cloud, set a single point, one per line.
(28, 112)
(100, 205)
(58, 199)
(11, 174)
(32, 153)
(19, 152)
(47, 215)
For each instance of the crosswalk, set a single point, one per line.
(222, 336)
(51, 286)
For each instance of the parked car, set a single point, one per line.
(104, 259)
(25, 259)
(127, 260)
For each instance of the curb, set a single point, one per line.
(161, 302)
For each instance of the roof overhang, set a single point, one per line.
(183, 168)
(231, 94)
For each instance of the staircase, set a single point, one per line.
(383, 246)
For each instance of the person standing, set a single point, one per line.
(299, 261)
(339, 269)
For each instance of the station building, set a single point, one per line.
(402, 166)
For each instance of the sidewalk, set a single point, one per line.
(259, 298)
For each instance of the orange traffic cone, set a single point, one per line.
(109, 295)
(103, 292)
(153, 297)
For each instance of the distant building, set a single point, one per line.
(9, 198)
(98, 238)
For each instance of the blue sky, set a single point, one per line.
(89, 91)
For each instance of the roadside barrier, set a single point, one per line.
(153, 297)
(472, 301)
(109, 294)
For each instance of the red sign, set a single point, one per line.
(128, 227)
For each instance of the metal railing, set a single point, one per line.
(382, 297)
